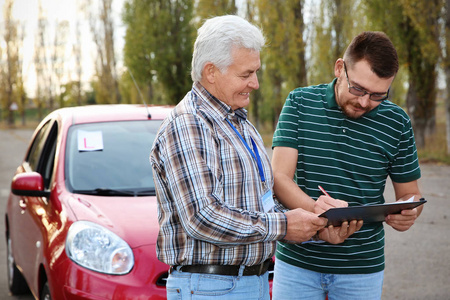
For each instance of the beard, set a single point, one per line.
(348, 106)
(348, 109)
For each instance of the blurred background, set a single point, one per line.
(77, 52)
(58, 53)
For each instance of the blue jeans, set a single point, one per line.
(291, 282)
(184, 285)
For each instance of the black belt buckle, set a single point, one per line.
(229, 270)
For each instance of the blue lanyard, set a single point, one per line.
(255, 154)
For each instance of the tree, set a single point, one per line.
(413, 27)
(446, 64)
(140, 45)
(283, 61)
(332, 31)
(102, 30)
(12, 91)
(44, 96)
(69, 94)
(211, 8)
(256, 104)
(76, 49)
(158, 45)
(58, 58)
(422, 38)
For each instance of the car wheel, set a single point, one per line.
(16, 283)
(45, 294)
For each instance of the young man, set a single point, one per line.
(218, 229)
(347, 137)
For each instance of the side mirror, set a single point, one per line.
(29, 184)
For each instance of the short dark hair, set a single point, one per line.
(377, 49)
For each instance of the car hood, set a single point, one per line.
(134, 219)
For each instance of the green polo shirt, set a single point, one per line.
(351, 159)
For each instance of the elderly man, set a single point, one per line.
(218, 227)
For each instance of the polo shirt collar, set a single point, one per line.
(330, 95)
(330, 98)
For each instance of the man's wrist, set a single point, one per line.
(315, 237)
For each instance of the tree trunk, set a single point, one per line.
(11, 118)
(447, 108)
(301, 74)
(447, 72)
(421, 96)
(23, 100)
(412, 102)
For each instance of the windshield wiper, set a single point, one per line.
(146, 192)
(113, 192)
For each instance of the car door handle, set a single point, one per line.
(22, 204)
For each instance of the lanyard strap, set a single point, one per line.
(255, 154)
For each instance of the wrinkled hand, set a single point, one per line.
(402, 221)
(337, 235)
(302, 225)
(324, 203)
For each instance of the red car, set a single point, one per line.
(81, 220)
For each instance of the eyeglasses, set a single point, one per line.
(361, 92)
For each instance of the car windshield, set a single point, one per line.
(111, 158)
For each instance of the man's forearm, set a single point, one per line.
(290, 195)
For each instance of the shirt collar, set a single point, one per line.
(217, 105)
(330, 95)
(330, 98)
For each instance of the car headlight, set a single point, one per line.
(96, 248)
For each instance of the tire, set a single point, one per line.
(45, 294)
(16, 282)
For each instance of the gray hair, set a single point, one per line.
(216, 39)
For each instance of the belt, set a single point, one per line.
(230, 270)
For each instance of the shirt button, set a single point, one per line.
(343, 130)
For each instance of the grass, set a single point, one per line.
(435, 150)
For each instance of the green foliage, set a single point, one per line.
(413, 26)
(284, 57)
(331, 31)
(102, 30)
(210, 8)
(11, 81)
(70, 93)
(158, 45)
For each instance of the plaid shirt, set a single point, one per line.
(209, 189)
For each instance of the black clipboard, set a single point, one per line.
(368, 213)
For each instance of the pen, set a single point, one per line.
(323, 191)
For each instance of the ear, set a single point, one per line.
(209, 72)
(339, 67)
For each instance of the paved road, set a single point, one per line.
(417, 261)
(13, 144)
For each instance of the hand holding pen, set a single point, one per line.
(335, 235)
(326, 202)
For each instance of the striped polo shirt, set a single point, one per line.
(351, 159)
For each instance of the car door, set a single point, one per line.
(29, 227)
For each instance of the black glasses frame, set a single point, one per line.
(361, 92)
